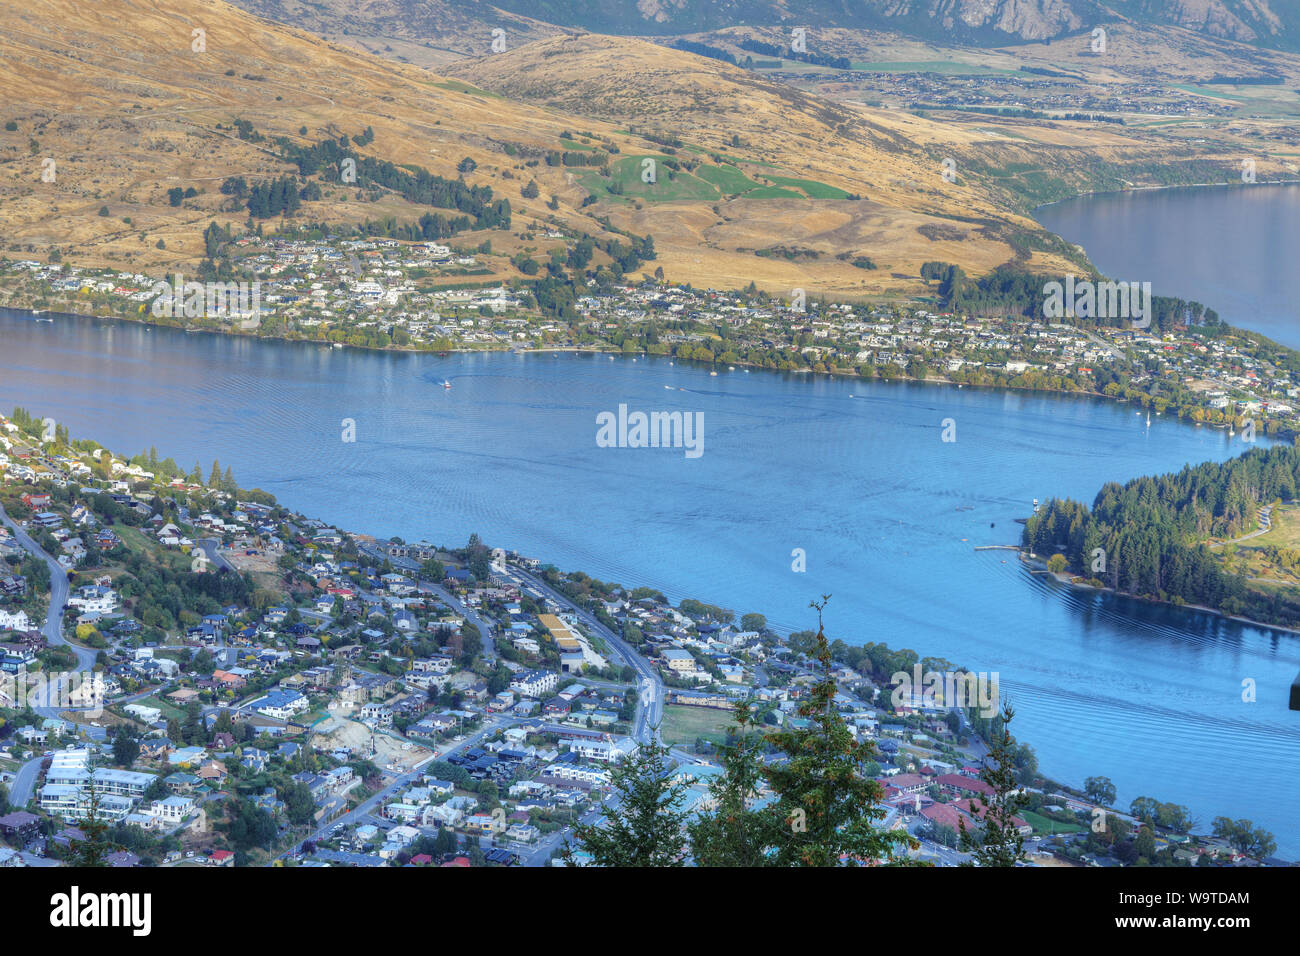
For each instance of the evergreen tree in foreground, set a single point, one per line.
(645, 827)
(998, 842)
(94, 850)
(733, 834)
(826, 807)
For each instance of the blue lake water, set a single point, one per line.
(1233, 249)
(856, 474)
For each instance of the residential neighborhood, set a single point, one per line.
(380, 293)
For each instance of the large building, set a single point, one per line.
(534, 683)
(563, 637)
(70, 783)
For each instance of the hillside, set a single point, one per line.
(116, 98)
(121, 128)
(110, 106)
(424, 32)
(768, 148)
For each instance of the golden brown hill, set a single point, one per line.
(113, 104)
(908, 213)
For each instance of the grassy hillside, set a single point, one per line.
(123, 119)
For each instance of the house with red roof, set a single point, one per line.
(946, 814)
(977, 811)
(959, 785)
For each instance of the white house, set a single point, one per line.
(94, 598)
(172, 809)
(534, 683)
(144, 712)
(281, 704)
(13, 620)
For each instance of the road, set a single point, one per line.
(489, 652)
(541, 854)
(650, 698)
(1265, 516)
(1111, 350)
(24, 783)
(53, 629)
(215, 558)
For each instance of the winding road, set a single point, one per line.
(53, 629)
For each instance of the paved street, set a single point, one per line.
(650, 700)
(53, 629)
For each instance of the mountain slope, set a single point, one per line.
(425, 32)
(1271, 23)
(969, 21)
(710, 112)
(113, 104)
(117, 98)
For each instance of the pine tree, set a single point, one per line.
(94, 850)
(228, 482)
(645, 827)
(826, 807)
(214, 478)
(733, 834)
(998, 842)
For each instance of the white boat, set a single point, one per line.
(713, 373)
(338, 345)
(446, 384)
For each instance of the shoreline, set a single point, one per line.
(615, 353)
(1096, 193)
(1068, 580)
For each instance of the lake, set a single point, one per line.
(855, 474)
(1231, 248)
